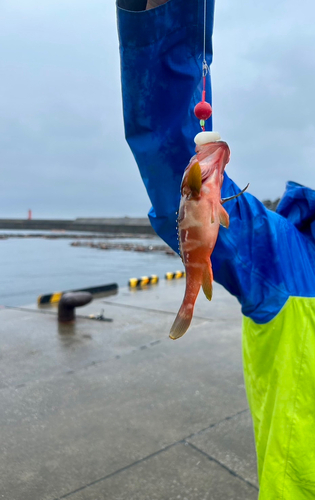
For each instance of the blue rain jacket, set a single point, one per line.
(265, 259)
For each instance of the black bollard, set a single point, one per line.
(68, 302)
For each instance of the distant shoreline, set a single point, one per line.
(62, 235)
(111, 226)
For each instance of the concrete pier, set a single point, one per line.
(117, 411)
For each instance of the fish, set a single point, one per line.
(199, 218)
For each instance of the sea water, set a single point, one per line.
(30, 266)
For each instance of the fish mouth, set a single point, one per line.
(211, 157)
(215, 153)
(211, 147)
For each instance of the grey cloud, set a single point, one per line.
(263, 79)
(63, 151)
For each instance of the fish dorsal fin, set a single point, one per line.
(194, 178)
(224, 200)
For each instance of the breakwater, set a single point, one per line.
(117, 225)
(133, 247)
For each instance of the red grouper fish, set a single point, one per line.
(199, 218)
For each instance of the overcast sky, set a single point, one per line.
(62, 148)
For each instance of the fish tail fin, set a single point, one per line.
(181, 323)
(185, 313)
(207, 280)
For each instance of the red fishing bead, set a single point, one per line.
(203, 110)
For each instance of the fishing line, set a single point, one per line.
(203, 109)
(204, 62)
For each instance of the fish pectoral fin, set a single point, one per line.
(224, 200)
(224, 217)
(207, 282)
(194, 178)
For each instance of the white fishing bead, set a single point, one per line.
(206, 137)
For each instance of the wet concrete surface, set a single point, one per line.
(115, 410)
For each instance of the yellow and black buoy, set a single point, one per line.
(175, 276)
(144, 280)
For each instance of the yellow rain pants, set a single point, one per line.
(279, 370)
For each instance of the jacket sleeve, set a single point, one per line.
(259, 259)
